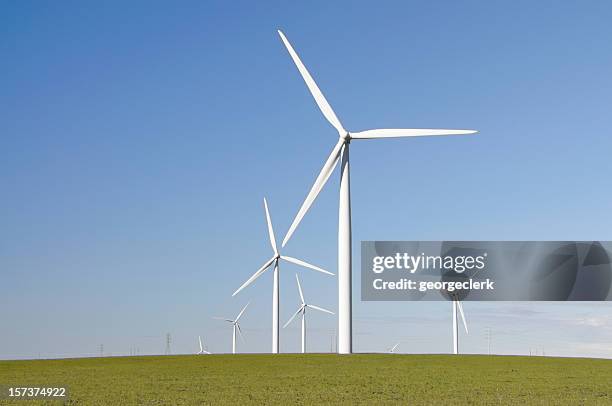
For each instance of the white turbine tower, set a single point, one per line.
(275, 288)
(302, 309)
(235, 327)
(392, 349)
(202, 350)
(457, 305)
(341, 152)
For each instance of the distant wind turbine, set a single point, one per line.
(341, 152)
(302, 310)
(275, 288)
(202, 350)
(457, 305)
(235, 327)
(392, 349)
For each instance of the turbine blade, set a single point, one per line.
(240, 314)
(314, 89)
(270, 229)
(409, 132)
(304, 264)
(200, 341)
(224, 319)
(240, 333)
(293, 317)
(255, 275)
(324, 175)
(320, 309)
(300, 288)
(462, 316)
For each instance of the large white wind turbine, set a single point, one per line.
(457, 305)
(302, 309)
(341, 152)
(202, 350)
(275, 289)
(235, 327)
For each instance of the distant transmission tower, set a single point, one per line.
(101, 350)
(168, 342)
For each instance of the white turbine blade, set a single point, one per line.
(320, 309)
(240, 333)
(206, 352)
(324, 175)
(200, 341)
(314, 89)
(462, 316)
(394, 347)
(270, 229)
(241, 311)
(304, 264)
(255, 275)
(408, 132)
(300, 288)
(224, 319)
(293, 317)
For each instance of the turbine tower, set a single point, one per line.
(275, 288)
(302, 310)
(457, 305)
(235, 327)
(340, 152)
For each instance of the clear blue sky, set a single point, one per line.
(138, 140)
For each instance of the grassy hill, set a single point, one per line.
(320, 378)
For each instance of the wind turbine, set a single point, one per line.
(457, 305)
(341, 152)
(275, 288)
(302, 309)
(202, 350)
(392, 349)
(235, 327)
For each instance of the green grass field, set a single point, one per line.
(319, 378)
